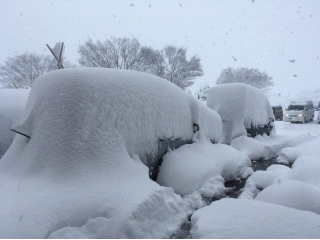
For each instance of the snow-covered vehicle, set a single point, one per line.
(245, 110)
(149, 113)
(301, 111)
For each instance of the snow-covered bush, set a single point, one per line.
(241, 107)
(12, 105)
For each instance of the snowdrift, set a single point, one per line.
(234, 218)
(12, 105)
(241, 107)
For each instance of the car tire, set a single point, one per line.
(304, 121)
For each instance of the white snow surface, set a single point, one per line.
(296, 187)
(294, 194)
(239, 106)
(265, 146)
(235, 218)
(74, 177)
(12, 106)
(198, 166)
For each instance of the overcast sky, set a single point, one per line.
(263, 34)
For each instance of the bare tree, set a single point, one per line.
(251, 77)
(151, 61)
(177, 69)
(122, 53)
(21, 71)
(170, 63)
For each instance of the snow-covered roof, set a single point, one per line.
(239, 106)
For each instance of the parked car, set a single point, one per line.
(245, 110)
(300, 112)
(277, 112)
(150, 114)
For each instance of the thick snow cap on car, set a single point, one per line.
(240, 106)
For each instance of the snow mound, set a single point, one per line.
(305, 169)
(294, 194)
(75, 169)
(261, 147)
(195, 167)
(230, 218)
(240, 106)
(12, 105)
(287, 155)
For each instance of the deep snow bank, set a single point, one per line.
(240, 106)
(12, 105)
(234, 218)
(74, 176)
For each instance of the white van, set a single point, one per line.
(299, 112)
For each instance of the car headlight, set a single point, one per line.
(300, 115)
(287, 115)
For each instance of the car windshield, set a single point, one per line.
(296, 107)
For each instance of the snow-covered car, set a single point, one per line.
(299, 112)
(150, 114)
(245, 110)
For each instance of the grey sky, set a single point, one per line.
(263, 34)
